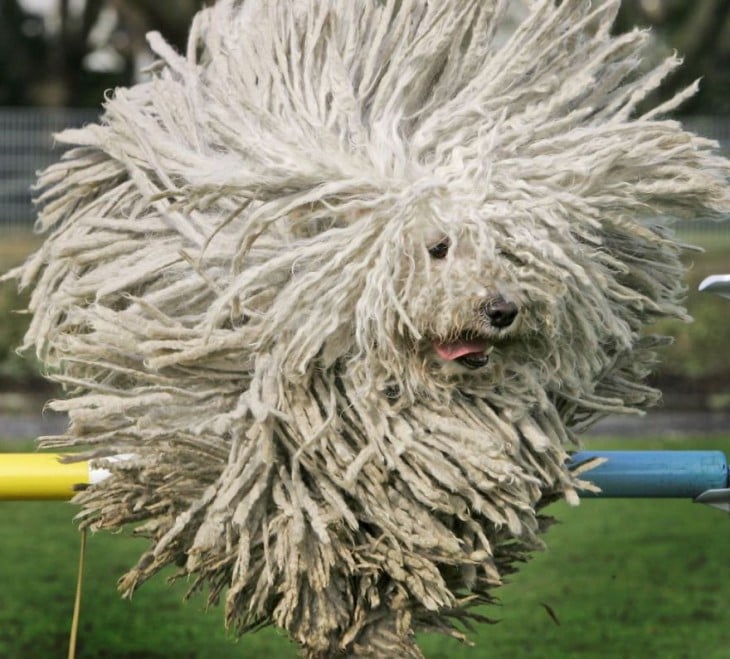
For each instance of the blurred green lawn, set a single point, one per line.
(624, 578)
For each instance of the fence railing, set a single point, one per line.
(26, 146)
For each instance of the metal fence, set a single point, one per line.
(26, 146)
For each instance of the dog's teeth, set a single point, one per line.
(474, 361)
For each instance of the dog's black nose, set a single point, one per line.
(500, 313)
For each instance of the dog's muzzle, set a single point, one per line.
(472, 350)
(499, 312)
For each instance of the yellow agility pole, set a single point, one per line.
(43, 477)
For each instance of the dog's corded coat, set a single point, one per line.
(237, 289)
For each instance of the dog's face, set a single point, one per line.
(470, 304)
(459, 300)
(440, 291)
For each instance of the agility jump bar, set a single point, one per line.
(44, 477)
(699, 475)
(703, 476)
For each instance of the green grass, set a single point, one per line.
(625, 579)
(696, 352)
(15, 246)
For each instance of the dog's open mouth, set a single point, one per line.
(470, 351)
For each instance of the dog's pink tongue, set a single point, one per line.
(451, 351)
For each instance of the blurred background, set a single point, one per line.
(626, 593)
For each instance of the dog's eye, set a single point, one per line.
(440, 250)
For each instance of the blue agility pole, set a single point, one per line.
(703, 476)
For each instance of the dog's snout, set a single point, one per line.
(500, 312)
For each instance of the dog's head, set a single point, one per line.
(430, 288)
(418, 225)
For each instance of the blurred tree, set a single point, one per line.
(72, 54)
(700, 33)
(84, 47)
(22, 52)
(69, 81)
(170, 17)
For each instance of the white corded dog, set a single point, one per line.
(346, 278)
